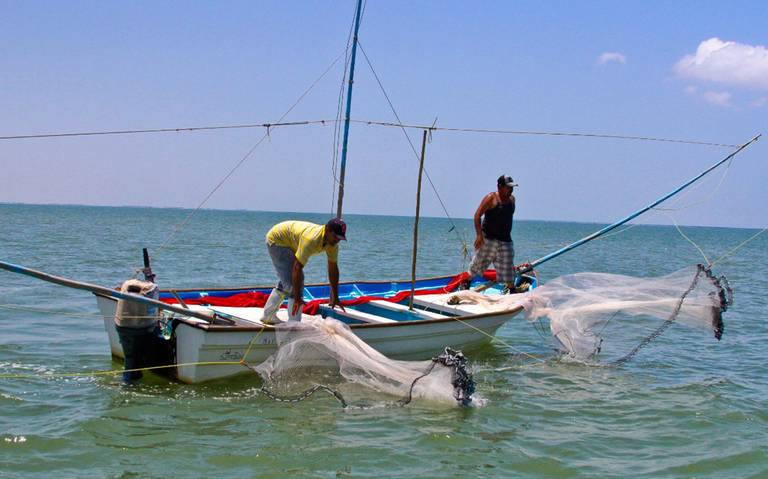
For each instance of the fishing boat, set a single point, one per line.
(215, 348)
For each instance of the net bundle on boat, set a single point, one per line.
(617, 315)
(324, 351)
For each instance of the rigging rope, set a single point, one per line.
(546, 133)
(244, 158)
(679, 230)
(413, 148)
(338, 119)
(712, 193)
(164, 130)
(379, 123)
(740, 245)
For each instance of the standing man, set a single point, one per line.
(493, 241)
(290, 245)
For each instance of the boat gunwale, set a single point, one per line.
(239, 328)
(248, 288)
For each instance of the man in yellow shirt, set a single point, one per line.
(290, 245)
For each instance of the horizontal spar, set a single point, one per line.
(70, 283)
(637, 213)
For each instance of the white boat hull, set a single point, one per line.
(205, 352)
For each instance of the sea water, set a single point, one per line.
(686, 406)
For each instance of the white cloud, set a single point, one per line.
(728, 63)
(718, 98)
(691, 89)
(611, 57)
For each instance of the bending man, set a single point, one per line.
(493, 242)
(290, 245)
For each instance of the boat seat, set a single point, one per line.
(401, 307)
(364, 317)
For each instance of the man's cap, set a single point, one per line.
(339, 228)
(506, 181)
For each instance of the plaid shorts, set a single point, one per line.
(501, 254)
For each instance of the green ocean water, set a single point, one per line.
(687, 406)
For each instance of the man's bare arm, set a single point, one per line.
(484, 206)
(297, 277)
(333, 277)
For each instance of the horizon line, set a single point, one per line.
(181, 208)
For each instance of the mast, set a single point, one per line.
(416, 221)
(348, 111)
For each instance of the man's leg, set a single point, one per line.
(505, 264)
(291, 315)
(482, 259)
(282, 259)
(272, 305)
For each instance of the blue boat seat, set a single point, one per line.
(403, 308)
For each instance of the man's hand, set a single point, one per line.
(335, 302)
(479, 242)
(298, 304)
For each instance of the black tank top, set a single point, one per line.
(497, 222)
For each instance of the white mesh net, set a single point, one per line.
(616, 315)
(326, 351)
(589, 313)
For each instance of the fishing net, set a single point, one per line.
(616, 315)
(319, 353)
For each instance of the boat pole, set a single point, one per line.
(637, 213)
(416, 220)
(148, 274)
(70, 283)
(348, 112)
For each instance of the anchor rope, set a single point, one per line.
(109, 372)
(19, 307)
(113, 372)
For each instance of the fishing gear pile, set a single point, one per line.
(318, 350)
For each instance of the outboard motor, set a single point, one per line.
(137, 326)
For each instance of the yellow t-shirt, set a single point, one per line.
(303, 238)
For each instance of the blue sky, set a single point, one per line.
(689, 70)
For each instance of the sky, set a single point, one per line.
(679, 70)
